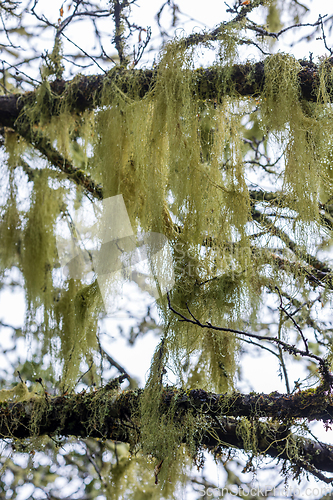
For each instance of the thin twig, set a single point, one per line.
(294, 322)
(292, 349)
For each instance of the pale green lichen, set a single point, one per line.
(178, 162)
(302, 131)
(17, 394)
(273, 19)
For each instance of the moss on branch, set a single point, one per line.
(84, 92)
(107, 415)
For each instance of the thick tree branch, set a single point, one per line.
(85, 92)
(102, 414)
(312, 404)
(314, 456)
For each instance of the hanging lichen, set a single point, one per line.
(178, 162)
(301, 131)
(76, 317)
(273, 19)
(10, 223)
(175, 159)
(39, 247)
(164, 427)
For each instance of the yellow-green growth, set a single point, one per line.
(179, 164)
(10, 222)
(76, 317)
(17, 394)
(273, 19)
(163, 426)
(176, 159)
(296, 132)
(38, 253)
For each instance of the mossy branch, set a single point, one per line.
(84, 92)
(275, 441)
(102, 414)
(44, 146)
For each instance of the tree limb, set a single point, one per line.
(84, 92)
(324, 365)
(103, 414)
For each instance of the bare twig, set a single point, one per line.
(84, 52)
(92, 460)
(305, 342)
(262, 32)
(291, 349)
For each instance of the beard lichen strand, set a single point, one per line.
(163, 427)
(10, 222)
(76, 316)
(38, 255)
(72, 317)
(302, 130)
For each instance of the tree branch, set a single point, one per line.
(84, 93)
(44, 146)
(103, 414)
